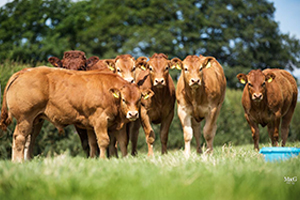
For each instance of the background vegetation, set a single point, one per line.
(241, 34)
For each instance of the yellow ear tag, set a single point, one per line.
(143, 67)
(270, 80)
(178, 67)
(116, 95)
(146, 96)
(243, 81)
(208, 65)
(111, 68)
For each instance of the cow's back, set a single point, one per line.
(63, 96)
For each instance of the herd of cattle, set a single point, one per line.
(108, 100)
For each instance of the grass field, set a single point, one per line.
(232, 172)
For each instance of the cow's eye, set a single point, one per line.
(250, 85)
(200, 69)
(124, 100)
(151, 68)
(186, 69)
(264, 84)
(133, 69)
(118, 70)
(167, 67)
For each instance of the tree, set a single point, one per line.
(241, 34)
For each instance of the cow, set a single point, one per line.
(269, 98)
(103, 102)
(160, 109)
(74, 60)
(200, 93)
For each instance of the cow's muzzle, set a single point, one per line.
(159, 82)
(129, 80)
(194, 82)
(257, 96)
(132, 115)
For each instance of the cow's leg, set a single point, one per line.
(92, 141)
(197, 134)
(122, 138)
(164, 131)
(255, 132)
(83, 135)
(150, 135)
(210, 127)
(22, 130)
(273, 130)
(286, 120)
(102, 137)
(186, 122)
(112, 148)
(134, 128)
(28, 151)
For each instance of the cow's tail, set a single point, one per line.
(6, 117)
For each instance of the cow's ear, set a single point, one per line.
(110, 63)
(242, 78)
(270, 77)
(146, 94)
(141, 63)
(176, 63)
(115, 92)
(56, 62)
(91, 61)
(207, 62)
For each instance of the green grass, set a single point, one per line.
(232, 172)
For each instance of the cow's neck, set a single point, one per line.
(194, 95)
(259, 106)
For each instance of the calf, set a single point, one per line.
(200, 93)
(104, 101)
(161, 107)
(269, 98)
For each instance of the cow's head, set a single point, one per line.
(192, 68)
(73, 60)
(130, 99)
(158, 66)
(256, 82)
(124, 66)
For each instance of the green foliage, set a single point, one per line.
(232, 172)
(241, 34)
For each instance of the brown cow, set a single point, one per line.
(200, 93)
(161, 107)
(74, 60)
(103, 101)
(269, 97)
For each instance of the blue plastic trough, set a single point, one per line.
(279, 153)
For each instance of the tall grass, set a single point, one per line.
(232, 172)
